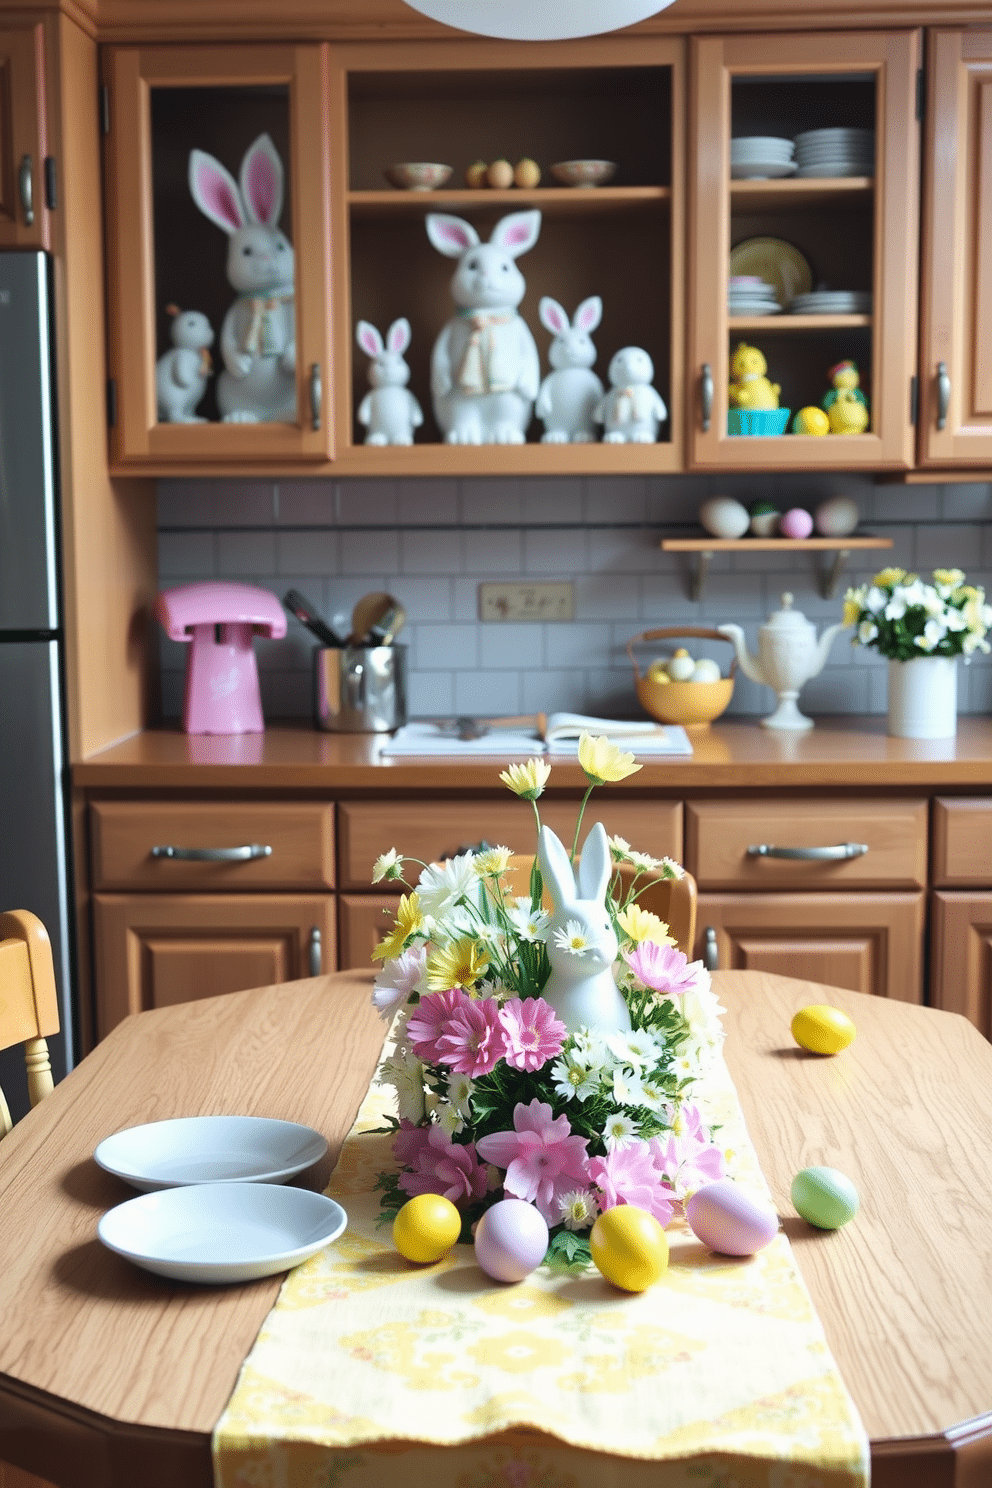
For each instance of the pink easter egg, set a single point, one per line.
(511, 1239)
(730, 1220)
(796, 522)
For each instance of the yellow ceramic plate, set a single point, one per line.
(775, 261)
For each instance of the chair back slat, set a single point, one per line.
(29, 1010)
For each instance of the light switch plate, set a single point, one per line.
(553, 600)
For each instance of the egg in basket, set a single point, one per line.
(676, 689)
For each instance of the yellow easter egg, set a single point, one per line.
(658, 672)
(475, 175)
(527, 173)
(426, 1228)
(500, 174)
(629, 1247)
(822, 1029)
(811, 421)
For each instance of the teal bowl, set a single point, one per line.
(757, 420)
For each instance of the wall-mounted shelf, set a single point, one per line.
(705, 547)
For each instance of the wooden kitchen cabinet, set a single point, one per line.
(855, 233)
(961, 969)
(161, 104)
(24, 210)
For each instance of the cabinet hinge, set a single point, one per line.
(914, 399)
(919, 93)
(51, 194)
(111, 403)
(104, 109)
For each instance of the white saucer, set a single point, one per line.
(210, 1149)
(761, 170)
(219, 1232)
(836, 168)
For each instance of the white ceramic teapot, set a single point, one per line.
(789, 654)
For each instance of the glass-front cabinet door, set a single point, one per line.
(803, 176)
(219, 257)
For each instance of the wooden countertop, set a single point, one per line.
(839, 753)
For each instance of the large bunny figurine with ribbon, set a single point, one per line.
(485, 370)
(258, 337)
(581, 987)
(632, 410)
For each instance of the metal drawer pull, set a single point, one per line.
(316, 395)
(316, 953)
(943, 395)
(707, 396)
(711, 951)
(809, 854)
(215, 854)
(25, 180)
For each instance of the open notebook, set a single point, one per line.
(560, 738)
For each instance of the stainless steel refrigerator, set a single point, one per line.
(34, 842)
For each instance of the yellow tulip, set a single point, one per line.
(527, 780)
(603, 761)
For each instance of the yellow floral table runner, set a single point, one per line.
(372, 1373)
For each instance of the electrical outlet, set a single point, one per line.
(541, 601)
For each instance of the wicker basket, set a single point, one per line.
(692, 704)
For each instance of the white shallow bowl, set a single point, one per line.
(761, 170)
(210, 1149)
(221, 1232)
(417, 175)
(835, 168)
(584, 172)
(815, 136)
(765, 145)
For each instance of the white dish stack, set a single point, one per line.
(750, 295)
(832, 302)
(758, 157)
(835, 152)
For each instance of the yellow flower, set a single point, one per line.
(852, 609)
(408, 921)
(461, 963)
(640, 924)
(492, 862)
(527, 780)
(603, 761)
(950, 577)
(887, 576)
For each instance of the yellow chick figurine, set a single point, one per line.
(749, 387)
(846, 404)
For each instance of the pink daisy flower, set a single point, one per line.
(688, 1157)
(429, 1020)
(664, 969)
(472, 1042)
(441, 1166)
(627, 1175)
(543, 1160)
(533, 1034)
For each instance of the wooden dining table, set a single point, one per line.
(110, 1376)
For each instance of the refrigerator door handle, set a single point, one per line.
(25, 178)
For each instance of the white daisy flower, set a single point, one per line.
(652, 1096)
(619, 1131)
(460, 1089)
(590, 1048)
(578, 1209)
(406, 1073)
(644, 861)
(442, 884)
(528, 924)
(449, 1119)
(867, 631)
(387, 865)
(671, 869)
(572, 1080)
(573, 937)
(626, 1087)
(636, 1047)
(619, 849)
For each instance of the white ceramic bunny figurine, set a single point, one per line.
(181, 374)
(390, 412)
(568, 396)
(632, 410)
(485, 369)
(258, 337)
(581, 987)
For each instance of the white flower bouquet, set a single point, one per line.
(496, 1097)
(902, 617)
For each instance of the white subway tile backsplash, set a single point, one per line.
(577, 643)
(451, 646)
(487, 692)
(616, 499)
(427, 502)
(307, 503)
(906, 504)
(430, 694)
(186, 556)
(967, 503)
(491, 551)
(507, 644)
(311, 552)
(606, 597)
(553, 691)
(215, 503)
(493, 501)
(953, 546)
(431, 552)
(245, 555)
(425, 598)
(374, 551)
(554, 500)
(552, 553)
(367, 503)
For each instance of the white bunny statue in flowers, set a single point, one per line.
(581, 987)
(390, 412)
(258, 337)
(485, 369)
(632, 410)
(569, 396)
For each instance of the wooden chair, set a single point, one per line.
(671, 899)
(29, 1009)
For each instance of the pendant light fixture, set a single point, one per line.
(538, 20)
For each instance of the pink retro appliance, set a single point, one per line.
(219, 621)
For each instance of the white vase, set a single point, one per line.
(923, 698)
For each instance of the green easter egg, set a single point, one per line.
(825, 1197)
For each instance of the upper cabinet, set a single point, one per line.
(839, 215)
(219, 303)
(24, 191)
(956, 340)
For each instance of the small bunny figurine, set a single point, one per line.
(485, 369)
(390, 412)
(568, 396)
(581, 988)
(181, 374)
(258, 337)
(632, 410)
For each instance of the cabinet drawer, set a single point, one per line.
(429, 830)
(124, 834)
(719, 835)
(962, 834)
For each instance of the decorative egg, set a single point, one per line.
(527, 173)
(426, 1228)
(811, 420)
(706, 670)
(500, 174)
(511, 1240)
(731, 1220)
(795, 523)
(825, 1197)
(836, 517)
(475, 175)
(764, 519)
(629, 1247)
(681, 667)
(658, 672)
(722, 516)
(822, 1029)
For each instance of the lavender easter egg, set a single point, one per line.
(511, 1239)
(836, 517)
(795, 523)
(731, 1220)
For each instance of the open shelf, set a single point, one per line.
(792, 323)
(705, 547)
(553, 201)
(760, 194)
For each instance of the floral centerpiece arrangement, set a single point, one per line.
(507, 1086)
(903, 618)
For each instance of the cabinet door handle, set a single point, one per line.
(215, 854)
(707, 395)
(25, 180)
(316, 395)
(809, 854)
(943, 394)
(315, 952)
(711, 951)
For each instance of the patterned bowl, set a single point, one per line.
(417, 175)
(584, 172)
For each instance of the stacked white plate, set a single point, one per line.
(832, 302)
(750, 295)
(756, 157)
(835, 152)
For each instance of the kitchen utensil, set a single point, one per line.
(219, 621)
(360, 689)
(308, 616)
(370, 610)
(584, 173)
(777, 262)
(476, 728)
(417, 175)
(692, 704)
(210, 1149)
(789, 655)
(384, 631)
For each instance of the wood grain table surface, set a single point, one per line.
(112, 1376)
